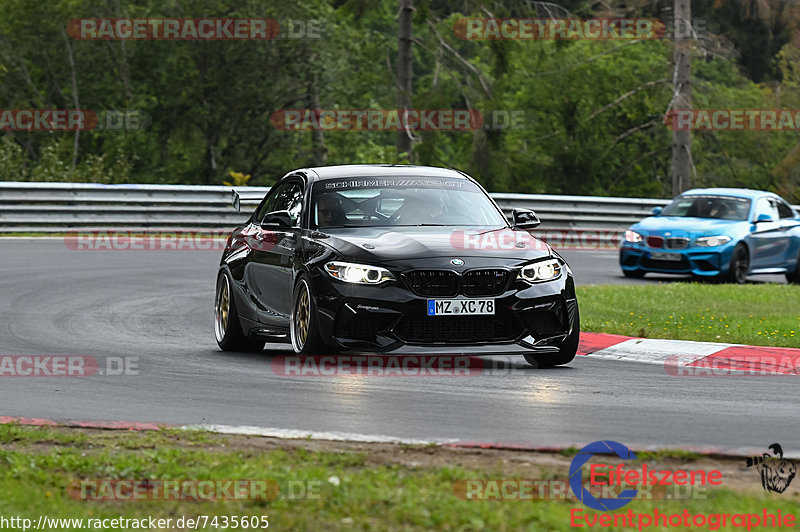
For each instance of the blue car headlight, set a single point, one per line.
(712, 241)
(633, 237)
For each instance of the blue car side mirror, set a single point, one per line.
(764, 217)
(657, 210)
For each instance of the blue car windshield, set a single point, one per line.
(401, 201)
(719, 207)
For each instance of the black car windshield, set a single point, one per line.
(401, 201)
(720, 207)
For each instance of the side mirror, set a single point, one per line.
(236, 200)
(764, 217)
(279, 218)
(524, 219)
(657, 210)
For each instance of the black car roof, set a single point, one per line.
(380, 170)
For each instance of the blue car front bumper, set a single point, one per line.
(695, 260)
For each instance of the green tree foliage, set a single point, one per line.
(592, 111)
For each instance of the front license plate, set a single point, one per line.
(458, 307)
(665, 256)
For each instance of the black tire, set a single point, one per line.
(227, 328)
(633, 274)
(739, 266)
(306, 339)
(794, 277)
(566, 352)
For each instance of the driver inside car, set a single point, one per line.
(420, 210)
(718, 210)
(330, 211)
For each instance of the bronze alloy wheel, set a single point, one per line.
(227, 328)
(222, 307)
(301, 317)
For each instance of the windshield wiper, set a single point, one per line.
(339, 226)
(421, 225)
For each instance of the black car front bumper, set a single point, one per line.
(394, 314)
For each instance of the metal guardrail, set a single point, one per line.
(60, 207)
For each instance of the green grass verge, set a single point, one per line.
(356, 491)
(767, 314)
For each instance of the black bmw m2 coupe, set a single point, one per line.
(376, 257)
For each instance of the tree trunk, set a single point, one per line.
(404, 73)
(75, 100)
(319, 152)
(210, 170)
(682, 140)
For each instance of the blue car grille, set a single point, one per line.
(666, 265)
(677, 242)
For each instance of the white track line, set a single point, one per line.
(248, 430)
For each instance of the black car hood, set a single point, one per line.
(393, 244)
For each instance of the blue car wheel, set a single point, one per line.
(739, 266)
(794, 277)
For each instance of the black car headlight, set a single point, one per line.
(358, 273)
(537, 272)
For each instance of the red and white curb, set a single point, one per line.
(688, 357)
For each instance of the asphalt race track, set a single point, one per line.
(157, 306)
(601, 267)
